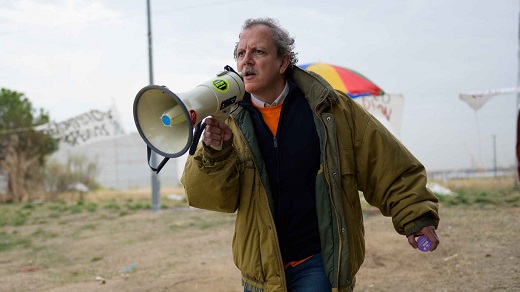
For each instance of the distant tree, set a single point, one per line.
(22, 149)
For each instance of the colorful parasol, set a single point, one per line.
(346, 80)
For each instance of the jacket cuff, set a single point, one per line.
(419, 223)
(212, 155)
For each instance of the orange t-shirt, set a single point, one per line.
(271, 116)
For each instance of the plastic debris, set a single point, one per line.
(439, 189)
(128, 269)
(175, 197)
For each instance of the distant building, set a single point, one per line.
(122, 162)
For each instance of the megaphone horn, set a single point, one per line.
(165, 120)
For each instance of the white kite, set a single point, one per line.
(476, 99)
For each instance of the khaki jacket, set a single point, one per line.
(358, 154)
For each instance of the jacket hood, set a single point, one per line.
(318, 92)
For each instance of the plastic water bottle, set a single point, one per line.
(423, 243)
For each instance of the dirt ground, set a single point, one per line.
(184, 249)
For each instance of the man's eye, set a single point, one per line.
(259, 52)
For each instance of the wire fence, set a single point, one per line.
(122, 162)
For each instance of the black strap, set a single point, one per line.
(193, 147)
(230, 69)
(160, 166)
(196, 136)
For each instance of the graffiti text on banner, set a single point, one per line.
(388, 107)
(87, 127)
(380, 104)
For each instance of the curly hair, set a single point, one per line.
(282, 40)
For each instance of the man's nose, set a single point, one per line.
(248, 58)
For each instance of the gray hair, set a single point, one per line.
(282, 40)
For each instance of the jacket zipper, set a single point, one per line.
(277, 158)
(275, 234)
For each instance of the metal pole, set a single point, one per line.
(518, 80)
(518, 99)
(495, 154)
(517, 175)
(155, 177)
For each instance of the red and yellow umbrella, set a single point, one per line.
(346, 80)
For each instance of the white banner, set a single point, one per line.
(388, 109)
(476, 99)
(88, 127)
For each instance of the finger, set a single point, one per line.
(213, 129)
(213, 135)
(211, 121)
(412, 242)
(223, 126)
(216, 132)
(226, 132)
(432, 236)
(211, 142)
(212, 139)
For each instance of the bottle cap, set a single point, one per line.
(423, 243)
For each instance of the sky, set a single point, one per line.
(70, 56)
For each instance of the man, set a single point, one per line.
(294, 154)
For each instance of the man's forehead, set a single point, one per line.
(258, 36)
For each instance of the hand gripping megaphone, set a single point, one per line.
(166, 121)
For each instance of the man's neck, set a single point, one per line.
(273, 94)
(276, 101)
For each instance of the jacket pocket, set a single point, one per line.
(348, 180)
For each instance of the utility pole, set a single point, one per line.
(495, 154)
(155, 177)
(517, 174)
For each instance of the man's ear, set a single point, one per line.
(285, 63)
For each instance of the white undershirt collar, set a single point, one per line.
(276, 102)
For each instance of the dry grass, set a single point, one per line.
(65, 245)
(133, 194)
(484, 183)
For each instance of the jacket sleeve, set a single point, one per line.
(211, 180)
(390, 177)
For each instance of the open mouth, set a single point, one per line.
(249, 72)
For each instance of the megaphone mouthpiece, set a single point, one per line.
(173, 116)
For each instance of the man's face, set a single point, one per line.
(263, 71)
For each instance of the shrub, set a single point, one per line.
(71, 177)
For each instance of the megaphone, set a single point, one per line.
(165, 120)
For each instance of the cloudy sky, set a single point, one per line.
(69, 56)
